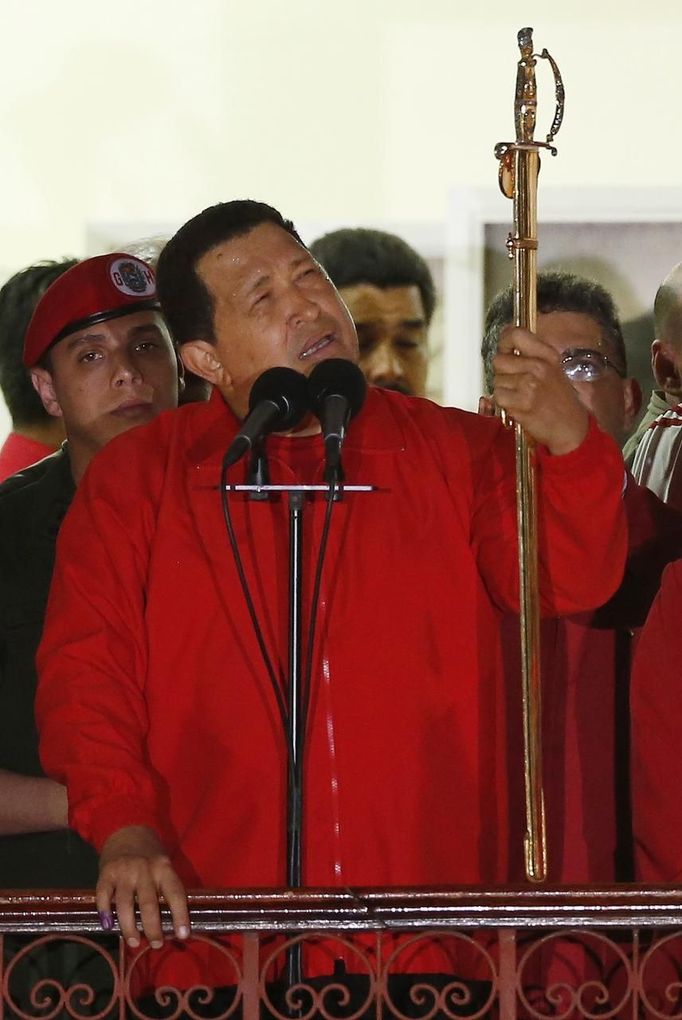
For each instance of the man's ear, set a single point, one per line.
(664, 367)
(44, 386)
(201, 358)
(632, 394)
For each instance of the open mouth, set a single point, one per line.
(319, 345)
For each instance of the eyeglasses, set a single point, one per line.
(581, 364)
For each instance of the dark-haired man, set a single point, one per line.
(577, 317)
(35, 433)
(177, 767)
(101, 359)
(586, 657)
(389, 291)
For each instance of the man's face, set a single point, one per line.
(273, 306)
(613, 401)
(392, 334)
(106, 378)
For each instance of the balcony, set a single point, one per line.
(405, 953)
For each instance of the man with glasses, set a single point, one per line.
(578, 319)
(586, 658)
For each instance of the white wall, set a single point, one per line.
(145, 111)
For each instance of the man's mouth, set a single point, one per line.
(317, 346)
(132, 408)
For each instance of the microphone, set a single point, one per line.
(336, 392)
(278, 400)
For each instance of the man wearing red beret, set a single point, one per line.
(100, 356)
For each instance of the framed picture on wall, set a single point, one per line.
(626, 239)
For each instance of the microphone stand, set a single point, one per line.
(296, 724)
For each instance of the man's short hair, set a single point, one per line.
(360, 255)
(18, 298)
(185, 301)
(557, 292)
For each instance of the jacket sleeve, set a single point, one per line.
(656, 706)
(94, 639)
(582, 532)
(654, 540)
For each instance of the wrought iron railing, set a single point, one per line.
(426, 953)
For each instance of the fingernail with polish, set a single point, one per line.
(106, 919)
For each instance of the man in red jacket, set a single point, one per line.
(101, 357)
(656, 722)
(586, 658)
(155, 707)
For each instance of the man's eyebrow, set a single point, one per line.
(265, 279)
(84, 338)
(145, 327)
(260, 281)
(413, 323)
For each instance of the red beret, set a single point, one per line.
(96, 289)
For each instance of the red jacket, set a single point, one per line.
(656, 729)
(585, 712)
(18, 452)
(155, 708)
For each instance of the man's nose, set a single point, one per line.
(302, 308)
(381, 365)
(126, 370)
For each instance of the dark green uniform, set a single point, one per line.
(32, 506)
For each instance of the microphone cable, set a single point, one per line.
(354, 391)
(294, 760)
(241, 573)
(287, 391)
(276, 684)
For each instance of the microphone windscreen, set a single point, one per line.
(337, 377)
(287, 389)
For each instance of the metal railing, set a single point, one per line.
(405, 953)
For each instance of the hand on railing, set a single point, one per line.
(135, 869)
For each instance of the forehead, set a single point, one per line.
(368, 303)
(672, 325)
(563, 330)
(116, 329)
(237, 263)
